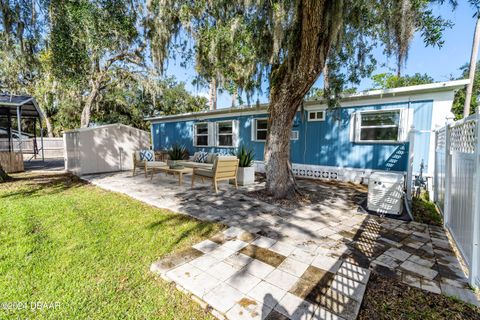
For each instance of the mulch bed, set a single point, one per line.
(426, 212)
(386, 298)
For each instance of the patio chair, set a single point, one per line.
(145, 159)
(224, 168)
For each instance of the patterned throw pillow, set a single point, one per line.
(196, 155)
(147, 155)
(201, 157)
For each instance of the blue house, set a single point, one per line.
(368, 132)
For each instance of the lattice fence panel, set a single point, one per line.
(464, 137)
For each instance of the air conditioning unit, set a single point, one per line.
(385, 193)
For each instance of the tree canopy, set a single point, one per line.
(85, 59)
(389, 80)
(459, 100)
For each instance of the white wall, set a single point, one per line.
(103, 149)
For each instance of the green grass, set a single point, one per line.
(89, 250)
(425, 211)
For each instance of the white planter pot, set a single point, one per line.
(246, 175)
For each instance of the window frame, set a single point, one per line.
(359, 126)
(218, 134)
(195, 134)
(255, 130)
(315, 111)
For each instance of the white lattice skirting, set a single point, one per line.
(326, 172)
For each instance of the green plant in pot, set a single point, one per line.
(246, 170)
(176, 153)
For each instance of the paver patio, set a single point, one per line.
(311, 262)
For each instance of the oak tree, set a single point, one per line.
(291, 42)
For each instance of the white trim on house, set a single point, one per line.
(195, 134)
(346, 174)
(436, 91)
(404, 123)
(255, 130)
(234, 134)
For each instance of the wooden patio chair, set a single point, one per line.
(224, 168)
(145, 164)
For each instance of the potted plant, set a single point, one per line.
(176, 153)
(246, 172)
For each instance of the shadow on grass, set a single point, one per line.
(32, 185)
(201, 229)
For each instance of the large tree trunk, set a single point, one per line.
(213, 94)
(280, 179)
(319, 23)
(48, 123)
(87, 108)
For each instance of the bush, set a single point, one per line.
(177, 152)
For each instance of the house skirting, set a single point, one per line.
(326, 172)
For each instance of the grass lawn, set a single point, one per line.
(89, 250)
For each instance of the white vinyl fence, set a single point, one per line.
(457, 187)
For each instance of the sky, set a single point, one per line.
(440, 63)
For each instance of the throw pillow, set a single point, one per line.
(147, 155)
(195, 156)
(202, 157)
(211, 157)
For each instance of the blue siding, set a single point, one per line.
(324, 143)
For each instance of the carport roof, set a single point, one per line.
(29, 107)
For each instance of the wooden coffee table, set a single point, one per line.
(179, 172)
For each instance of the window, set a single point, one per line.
(225, 134)
(201, 134)
(381, 126)
(316, 115)
(260, 128)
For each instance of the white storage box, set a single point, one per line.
(385, 193)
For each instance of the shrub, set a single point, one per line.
(177, 152)
(245, 156)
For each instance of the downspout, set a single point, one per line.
(407, 198)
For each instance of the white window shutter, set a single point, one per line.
(353, 125)
(235, 133)
(194, 135)
(253, 127)
(406, 121)
(212, 134)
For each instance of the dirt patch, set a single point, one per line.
(272, 258)
(317, 192)
(386, 298)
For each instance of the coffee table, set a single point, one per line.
(179, 172)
